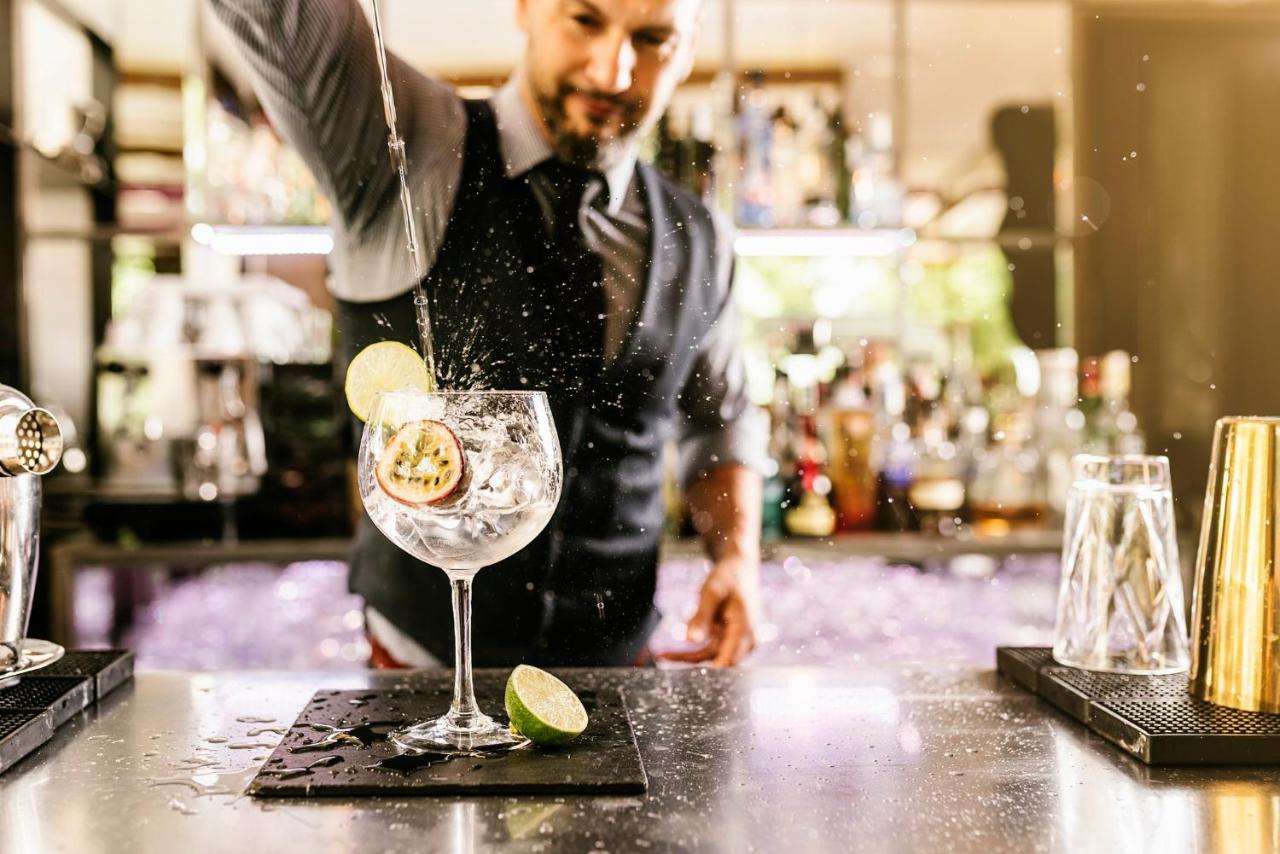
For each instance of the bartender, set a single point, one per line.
(556, 261)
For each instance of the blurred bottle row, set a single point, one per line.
(251, 177)
(793, 160)
(786, 158)
(891, 442)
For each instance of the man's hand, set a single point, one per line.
(727, 616)
(725, 508)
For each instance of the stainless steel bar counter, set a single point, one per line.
(798, 759)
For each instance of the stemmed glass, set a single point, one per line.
(460, 480)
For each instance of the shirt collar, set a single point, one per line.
(524, 147)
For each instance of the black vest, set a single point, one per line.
(582, 592)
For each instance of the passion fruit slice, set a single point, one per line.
(421, 464)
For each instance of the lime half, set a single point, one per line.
(385, 366)
(542, 708)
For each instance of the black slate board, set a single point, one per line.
(604, 760)
(42, 701)
(1152, 718)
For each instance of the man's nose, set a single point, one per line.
(613, 58)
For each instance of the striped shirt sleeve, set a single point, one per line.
(719, 426)
(315, 70)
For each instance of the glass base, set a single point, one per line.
(443, 736)
(1121, 666)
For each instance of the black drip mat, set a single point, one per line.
(62, 696)
(603, 760)
(40, 702)
(1153, 718)
(22, 732)
(110, 668)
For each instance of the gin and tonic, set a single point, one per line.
(460, 480)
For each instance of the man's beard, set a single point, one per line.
(588, 151)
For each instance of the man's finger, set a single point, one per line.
(692, 656)
(730, 644)
(699, 628)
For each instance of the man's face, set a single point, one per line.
(602, 71)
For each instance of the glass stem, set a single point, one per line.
(464, 713)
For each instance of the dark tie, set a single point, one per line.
(574, 276)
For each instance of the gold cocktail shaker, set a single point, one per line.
(1235, 646)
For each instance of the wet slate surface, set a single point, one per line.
(360, 760)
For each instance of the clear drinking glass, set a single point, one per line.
(509, 489)
(1120, 605)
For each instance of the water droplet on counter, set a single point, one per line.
(178, 806)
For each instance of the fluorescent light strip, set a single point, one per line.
(818, 243)
(267, 240)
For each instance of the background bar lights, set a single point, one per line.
(264, 240)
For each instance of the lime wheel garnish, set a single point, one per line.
(421, 464)
(383, 367)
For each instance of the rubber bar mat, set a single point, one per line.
(32, 709)
(1152, 718)
(339, 747)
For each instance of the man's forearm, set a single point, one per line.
(316, 72)
(725, 506)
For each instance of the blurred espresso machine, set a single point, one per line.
(182, 379)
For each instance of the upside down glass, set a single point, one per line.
(1120, 603)
(509, 489)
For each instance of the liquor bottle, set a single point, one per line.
(894, 454)
(896, 475)
(1007, 492)
(966, 405)
(937, 493)
(781, 462)
(1116, 422)
(850, 435)
(809, 512)
(877, 195)
(755, 139)
(838, 153)
(1091, 407)
(817, 168)
(1059, 425)
(787, 186)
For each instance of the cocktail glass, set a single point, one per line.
(509, 489)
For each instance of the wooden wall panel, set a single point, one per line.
(1178, 123)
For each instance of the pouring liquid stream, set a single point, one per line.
(396, 147)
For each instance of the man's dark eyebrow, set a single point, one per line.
(661, 31)
(590, 7)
